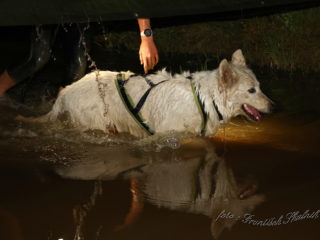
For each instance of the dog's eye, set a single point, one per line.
(252, 90)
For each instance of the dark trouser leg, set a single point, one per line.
(40, 52)
(75, 44)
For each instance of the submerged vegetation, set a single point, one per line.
(286, 41)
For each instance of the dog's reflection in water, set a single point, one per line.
(192, 179)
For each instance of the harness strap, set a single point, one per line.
(217, 110)
(200, 106)
(125, 97)
(120, 82)
(146, 94)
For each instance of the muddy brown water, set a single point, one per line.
(249, 181)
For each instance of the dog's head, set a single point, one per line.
(239, 84)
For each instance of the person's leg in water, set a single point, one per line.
(40, 52)
(76, 45)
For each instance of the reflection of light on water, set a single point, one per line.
(241, 131)
(283, 132)
(268, 132)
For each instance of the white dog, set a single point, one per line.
(196, 103)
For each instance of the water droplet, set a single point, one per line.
(171, 142)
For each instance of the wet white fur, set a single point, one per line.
(170, 106)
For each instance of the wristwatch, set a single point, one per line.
(146, 33)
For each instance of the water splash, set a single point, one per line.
(170, 141)
(157, 142)
(103, 30)
(93, 66)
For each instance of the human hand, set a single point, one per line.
(148, 53)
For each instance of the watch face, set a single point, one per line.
(148, 32)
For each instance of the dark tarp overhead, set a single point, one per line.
(34, 12)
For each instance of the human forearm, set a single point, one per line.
(148, 52)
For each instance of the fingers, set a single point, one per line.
(141, 57)
(146, 68)
(148, 55)
(156, 59)
(149, 62)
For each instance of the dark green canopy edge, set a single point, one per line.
(34, 12)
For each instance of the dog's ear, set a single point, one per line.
(238, 58)
(227, 78)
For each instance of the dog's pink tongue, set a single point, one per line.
(254, 112)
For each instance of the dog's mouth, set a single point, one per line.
(251, 113)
